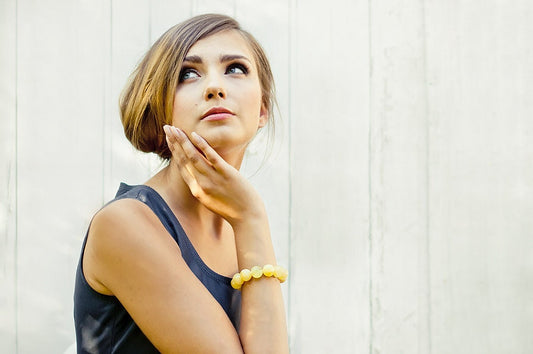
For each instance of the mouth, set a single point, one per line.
(217, 113)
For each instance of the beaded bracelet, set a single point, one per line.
(257, 272)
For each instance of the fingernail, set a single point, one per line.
(165, 128)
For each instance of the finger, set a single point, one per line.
(171, 140)
(185, 153)
(193, 155)
(185, 168)
(191, 182)
(175, 136)
(178, 154)
(216, 161)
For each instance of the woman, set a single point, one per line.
(147, 282)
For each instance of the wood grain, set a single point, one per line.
(8, 177)
(329, 177)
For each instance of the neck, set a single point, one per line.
(233, 156)
(169, 183)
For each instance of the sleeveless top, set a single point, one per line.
(102, 323)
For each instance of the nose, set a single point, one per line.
(214, 90)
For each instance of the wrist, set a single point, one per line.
(253, 242)
(251, 218)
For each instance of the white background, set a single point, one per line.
(400, 188)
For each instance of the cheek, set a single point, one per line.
(180, 107)
(175, 111)
(254, 97)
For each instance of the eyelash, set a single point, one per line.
(240, 66)
(186, 71)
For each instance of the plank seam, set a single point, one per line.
(427, 182)
(16, 259)
(370, 215)
(290, 26)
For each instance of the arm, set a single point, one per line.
(222, 189)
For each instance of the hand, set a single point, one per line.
(214, 182)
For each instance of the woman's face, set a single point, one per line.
(219, 93)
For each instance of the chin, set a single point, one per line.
(223, 139)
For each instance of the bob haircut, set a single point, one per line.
(146, 103)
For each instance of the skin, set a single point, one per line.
(130, 255)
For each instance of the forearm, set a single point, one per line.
(263, 326)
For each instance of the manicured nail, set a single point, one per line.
(166, 129)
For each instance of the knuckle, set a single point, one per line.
(196, 191)
(179, 138)
(182, 160)
(208, 187)
(195, 159)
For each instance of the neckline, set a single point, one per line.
(188, 244)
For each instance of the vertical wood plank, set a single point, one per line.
(60, 105)
(165, 14)
(329, 177)
(268, 23)
(480, 69)
(398, 185)
(8, 175)
(226, 7)
(130, 39)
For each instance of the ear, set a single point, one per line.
(263, 116)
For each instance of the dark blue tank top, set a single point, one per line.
(102, 323)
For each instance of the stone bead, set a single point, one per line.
(246, 274)
(268, 270)
(280, 273)
(237, 281)
(257, 272)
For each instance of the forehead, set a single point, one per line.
(222, 43)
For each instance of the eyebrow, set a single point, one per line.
(223, 58)
(231, 57)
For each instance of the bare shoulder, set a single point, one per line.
(123, 232)
(124, 213)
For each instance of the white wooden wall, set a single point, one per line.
(400, 189)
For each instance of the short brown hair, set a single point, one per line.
(146, 103)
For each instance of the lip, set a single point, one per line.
(217, 113)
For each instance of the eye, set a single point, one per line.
(237, 68)
(188, 73)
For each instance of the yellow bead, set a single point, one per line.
(246, 274)
(234, 285)
(281, 273)
(268, 270)
(237, 281)
(277, 271)
(257, 272)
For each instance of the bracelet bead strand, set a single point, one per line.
(256, 272)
